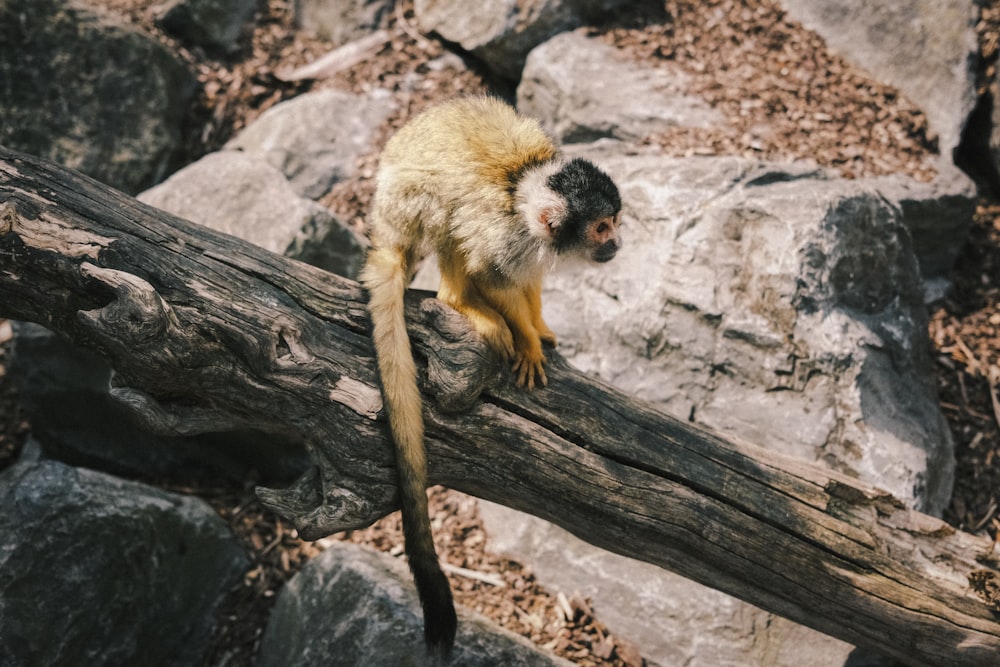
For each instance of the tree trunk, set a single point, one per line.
(208, 333)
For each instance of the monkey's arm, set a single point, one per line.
(463, 295)
(515, 306)
(506, 317)
(533, 294)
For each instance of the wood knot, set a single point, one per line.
(7, 218)
(137, 314)
(459, 363)
(986, 584)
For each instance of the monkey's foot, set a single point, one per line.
(529, 367)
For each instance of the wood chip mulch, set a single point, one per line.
(783, 94)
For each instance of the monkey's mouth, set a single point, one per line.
(605, 253)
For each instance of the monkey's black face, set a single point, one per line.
(593, 212)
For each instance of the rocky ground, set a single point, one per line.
(785, 96)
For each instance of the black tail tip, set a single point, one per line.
(440, 619)
(440, 626)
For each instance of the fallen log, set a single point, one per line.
(207, 333)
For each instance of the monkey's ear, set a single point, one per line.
(542, 209)
(550, 217)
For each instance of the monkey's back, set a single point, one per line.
(446, 180)
(474, 140)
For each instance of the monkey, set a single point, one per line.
(485, 189)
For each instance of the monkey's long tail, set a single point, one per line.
(385, 276)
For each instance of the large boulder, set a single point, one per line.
(925, 48)
(773, 302)
(95, 570)
(354, 606)
(502, 33)
(316, 139)
(87, 90)
(672, 620)
(575, 84)
(240, 194)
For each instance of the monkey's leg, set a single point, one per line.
(533, 293)
(460, 293)
(514, 305)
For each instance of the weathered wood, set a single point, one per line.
(208, 333)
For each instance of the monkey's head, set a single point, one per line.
(583, 214)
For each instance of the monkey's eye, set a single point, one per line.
(601, 228)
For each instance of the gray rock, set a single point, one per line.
(315, 139)
(240, 194)
(86, 90)
(95, 570)
(353, 606)
(502, 33)
(925, 48)
(938, 216)
(64, 390)
(672, 620)
(575, 84)
(215, 24)
(341, 21)
(772, 302)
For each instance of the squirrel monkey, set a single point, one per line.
(485, 189)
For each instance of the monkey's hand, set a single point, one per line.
(530, 366)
